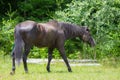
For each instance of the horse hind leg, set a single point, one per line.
(50, 51)
(26, 52)
(13, 64)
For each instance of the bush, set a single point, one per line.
(7, 33)
(102, 17)
(40, 10)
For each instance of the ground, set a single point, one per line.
(59, 72)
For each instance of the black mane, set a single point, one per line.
(71, 30)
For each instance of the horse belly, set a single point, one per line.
(47, 40)
(45, 44)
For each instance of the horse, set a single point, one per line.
(52, 34)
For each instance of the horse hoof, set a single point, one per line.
(69, 70)
(48, 70)
(12, 73)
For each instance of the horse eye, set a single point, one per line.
(87, 29)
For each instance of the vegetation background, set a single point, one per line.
(101, 16)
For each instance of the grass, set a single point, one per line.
(59, 72)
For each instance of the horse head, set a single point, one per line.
(87, 37)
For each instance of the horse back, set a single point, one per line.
(49, 34)
(39, 34)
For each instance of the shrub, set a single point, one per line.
(7, 33)
(102, 17)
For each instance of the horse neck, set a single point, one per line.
(71, 31)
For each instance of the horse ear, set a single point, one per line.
(87, 30)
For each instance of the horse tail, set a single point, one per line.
(19, 45)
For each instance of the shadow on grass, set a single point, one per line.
(60, 71)
(45, 72)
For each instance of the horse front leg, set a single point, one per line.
(50, 51)
(13, 64)
(62, 52)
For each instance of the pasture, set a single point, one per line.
(58, 72)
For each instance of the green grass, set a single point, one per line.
(59, 72)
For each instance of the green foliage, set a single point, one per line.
(12, 13)
(35, 9)
(38, 53)
(40, 9)
(7, 33)
(102, 17)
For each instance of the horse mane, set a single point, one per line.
(71, 30)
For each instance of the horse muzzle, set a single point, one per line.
(92, 42)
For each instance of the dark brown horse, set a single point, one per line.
(51, 34)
